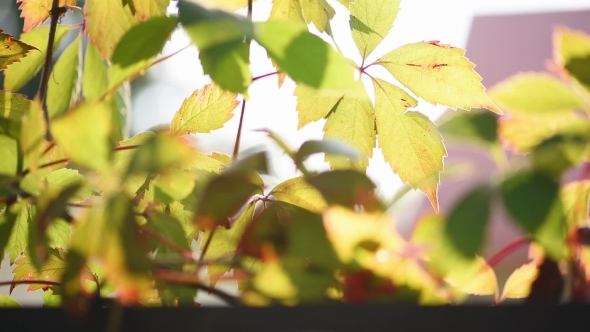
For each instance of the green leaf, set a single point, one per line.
(58, 234)
(50, 299)
(9, 155)
(8, 221)
(12, 50)
(312, 104)
(572, 52)
(370, 22)
(352, 120)
(326, 146)
(21, 216)
(410, 142)
(225, 243)
(169, 228)
(207, 109)
(83, 135)
(574, 197)
(224, 55)
(63, 85)
(466, 225)
(346, 188)
(137, 49)
(107, 13)
(63, 178)
(523, 132)
(299, 192)
(305, 57)
(158, 153)
(476, 127)
(18, 74)
(95, 79)
(559, 153)
(533, 202)
(52, 270)
(8, 302)
(318, 12)
(535, 93)
(288, 10)
(518, 285)
(146, 9)
(33, 135)
(173, 186)
(440, 74)
(13, 105)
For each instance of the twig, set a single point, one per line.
(191, 281)
(126, 147)
(206, 247)
(55, 12)
(184, 253)
(31, 282)
(499, 256)
(239, 134)
(265, 75)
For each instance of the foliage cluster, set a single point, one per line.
(89, 213)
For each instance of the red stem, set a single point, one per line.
(263, 76)
(184, 253)
(39, 282)
(500, 255)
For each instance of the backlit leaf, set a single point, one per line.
(83, 135)
(522, 132)
(33, 135)
(12, 50)
(370, 21)
(318, 12)
(52, 270)
(545, 222)
(13, 228)
(305, 57)
(440, 74)
(535, 93)
(476, 127)
(299, 192)
(146, 9)
(289, 10)
(173, 185)
(8, 302)
(160, 152)
(572, 51)
(107, 13)
(95, 79)
(9, 154)
(36, 12)
(227, 64)
(483, 281)
(13, 105)
(352, 121)
(327, 146)
(18, 74)
(225, 243)
(139, 46)
(169, 228)
(409, 140)
(58, 234)
(574, 197)
(50, 299)
(207, 109)
(312, 104)
(518, 284)
(62, 89)
(65, 177)
(229, 5)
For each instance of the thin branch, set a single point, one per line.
(188, 255)
(206, 247)
(192, 281)
(55, 12)
(239, 134)
(265, 75)
(49, 164)
(29, 282)
(250, 10)
(499, 256)
(126, 147)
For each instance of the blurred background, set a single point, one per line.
(501, 37)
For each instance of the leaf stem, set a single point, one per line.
(188, 255)
(192, 281)
(239, 134)
(265, 75)
(29, 282)
(54, 12)
(206, 247)
(500, 255)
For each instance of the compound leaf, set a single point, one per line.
(440, 74)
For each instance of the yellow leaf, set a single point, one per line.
(106, 23)
(146, 9)
(229, 5)
(571, 50)
(207, 109)
(36, 12)
(12, 50)
(318, 12)
(312, 104)
(298, 191)
(370, 21)
(13, 105)
(289, 10)
(440, 74)
(409, 140)
(482, 281)
(519, 282)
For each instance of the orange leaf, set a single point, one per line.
(36, 12)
